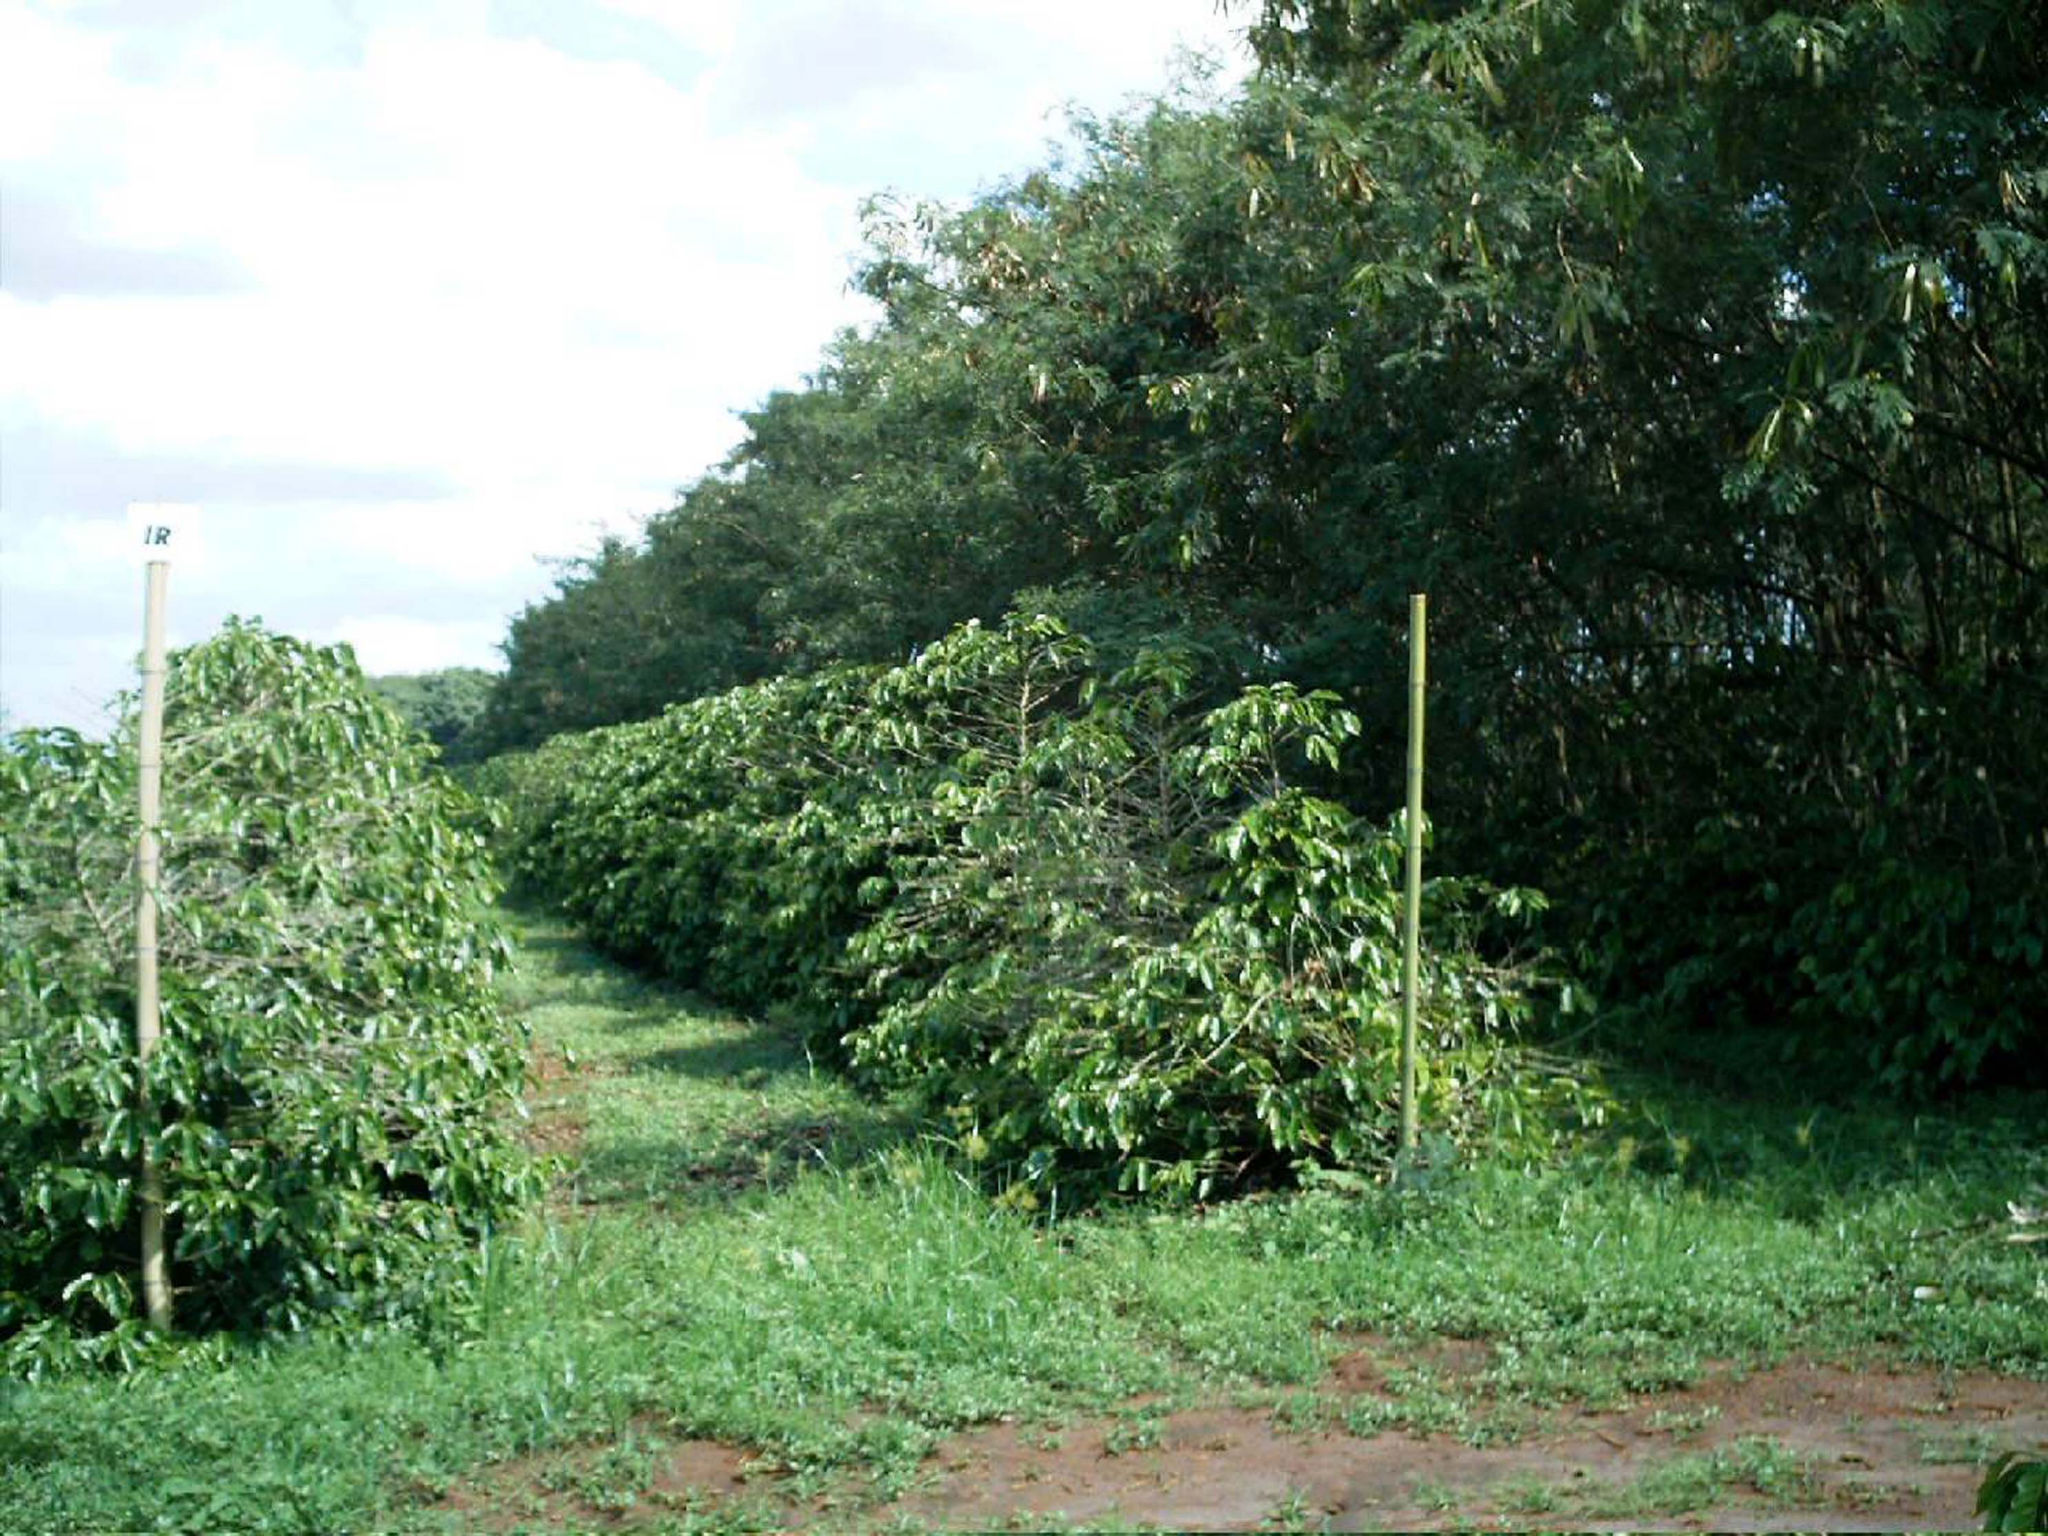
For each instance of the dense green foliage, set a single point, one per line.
(442, 706)
(1686, 351)
(1099, 921)
(333, 1100)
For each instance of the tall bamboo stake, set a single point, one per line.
(156, 1284)
(1411, 917)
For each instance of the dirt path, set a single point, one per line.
(1811, 1445)
(1844, 1449)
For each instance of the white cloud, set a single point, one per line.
(511, 263)
(384, 643)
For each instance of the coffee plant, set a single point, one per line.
(1094, 916)
(2014, 1494)
(335, 1097)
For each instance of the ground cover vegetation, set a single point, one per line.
(744, 1248)
(333, 1106)
(1685, 352)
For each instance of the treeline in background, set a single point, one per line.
(1690, 355)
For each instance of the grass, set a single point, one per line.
(689, 1106)
(745, 1249)
(1756, 1466)
(1973, 1447)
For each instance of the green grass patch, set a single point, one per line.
(1754, 1467)
(679, 1102)
(745, 1249)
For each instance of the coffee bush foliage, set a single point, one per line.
(1092, 912)
(336, 1096)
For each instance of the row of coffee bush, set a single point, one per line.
(335, 1104)
(1088, 910)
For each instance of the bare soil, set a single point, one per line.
(554, 1100)
(1807, 1444)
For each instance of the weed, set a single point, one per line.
(1436, 1496)
(1875, 1494)
(1757, 1464)
(1417, 1403)
(1133, 1431)
(1307, 1413)
(1292, 1513)
(1531, 1495)
(1972, 1447)
(620, 1474)
(1683, 1423)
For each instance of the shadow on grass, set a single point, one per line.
(748, 1108)
(1805, 1158)
(554, 965)
(765, 1155)
(762, 1056)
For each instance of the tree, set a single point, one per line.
(443, 706)
(1681, 349)
(1753, 296)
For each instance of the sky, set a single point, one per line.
(408, 296)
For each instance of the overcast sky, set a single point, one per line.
(405, 294)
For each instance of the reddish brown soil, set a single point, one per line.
(555, 1101)
(1810, 1445)
(573, 1490)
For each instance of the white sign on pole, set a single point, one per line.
(157, 530)
(162, 530)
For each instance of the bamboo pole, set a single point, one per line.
(156, 1285)
(1411, 915)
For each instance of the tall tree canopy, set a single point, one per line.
(442, 706)
(1688, 352)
